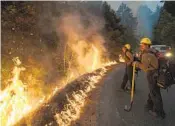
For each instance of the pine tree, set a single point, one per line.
(113, 31)
(129, 22)
(165, 28)
(169, 6)
(126, 16)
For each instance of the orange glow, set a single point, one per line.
(16, 101)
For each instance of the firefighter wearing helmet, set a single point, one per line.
(128, 46)
(129, 58)
(149, 64)
(146, 41)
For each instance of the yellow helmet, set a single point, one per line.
(128, 46)
(146, 41)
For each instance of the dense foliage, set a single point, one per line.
(130, 24)
(165, 28)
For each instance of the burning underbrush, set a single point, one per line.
(71, 72)
(66, 105)
(16, 100)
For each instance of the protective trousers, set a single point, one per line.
(127, 76)
(154, 97)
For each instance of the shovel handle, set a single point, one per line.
(133, 79)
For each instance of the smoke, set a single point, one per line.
(74, 34)
(147, 19)
(146, 12)
(79, 45)
(81, 34)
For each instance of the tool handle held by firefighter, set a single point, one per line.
(133, 79)
(128, 108)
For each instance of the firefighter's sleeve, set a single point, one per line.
(131, 58)
(144, 63)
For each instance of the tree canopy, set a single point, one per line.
(129, 22)
(165, 28)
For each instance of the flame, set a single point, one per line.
(85, 43)
(110, 63)
(95, 58)
(121, 59)
(72, 110)
(15, 101)
(88, 56)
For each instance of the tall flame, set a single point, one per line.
(95, 58)
(14, 103)
(15, 100)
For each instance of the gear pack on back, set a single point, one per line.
(164, 78)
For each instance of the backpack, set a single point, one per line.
(165, 77)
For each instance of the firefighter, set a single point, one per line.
(128, 57)
(149, 64)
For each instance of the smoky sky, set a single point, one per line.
(134, 5)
